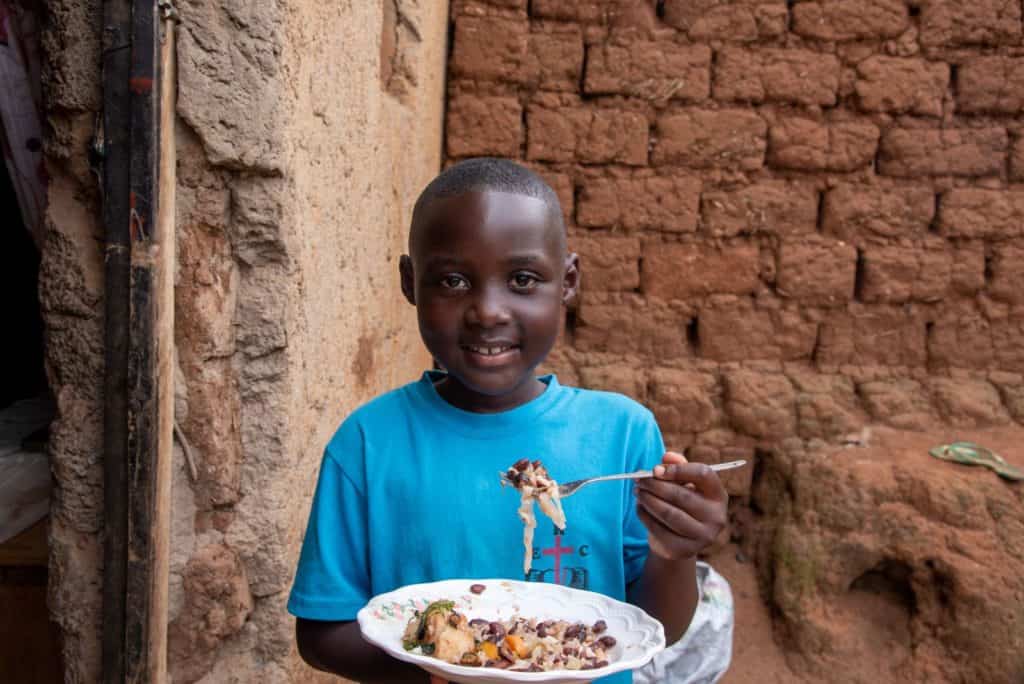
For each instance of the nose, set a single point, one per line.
(488, 309)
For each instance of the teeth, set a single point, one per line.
(488, 351)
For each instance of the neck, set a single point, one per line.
(462, 397)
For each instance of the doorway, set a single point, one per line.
(29, 650)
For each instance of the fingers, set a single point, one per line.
(700, 475)
(664, 542)
(660, 495)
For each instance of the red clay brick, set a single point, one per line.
(1006, 336)
(616, 378)
(673, 271)
(947, 152)
(850, 19)
(667, 203)
(961, 341)
(900, 274)
(1007, 282)
(555, 61)
(772, 75)
(1017, 158)
(952, 23)
(964, 402)
(902, 85)
(978, 213)
(826, 405)
(761, 405)
(651, 70)
(875, 336)
(484, 126)
(467, 6)
(478, 7)
(586, 11)
(682, 401)
(857, 212)
(704, 138)
(811, 146)
(490, 48)
(636, 327)
(608, 262)
(968, 276)
(772, 207)
(731, 20)
(898, 402)
(991, 84)
(743, 333)
(591, 136)
(822, 273)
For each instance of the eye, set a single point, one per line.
(454, 282)
(524, 281)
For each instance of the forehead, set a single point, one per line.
(486, 219)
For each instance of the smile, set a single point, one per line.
(489, 351)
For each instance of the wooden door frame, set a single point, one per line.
(136, 145)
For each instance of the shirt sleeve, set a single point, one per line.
(332, 581)
(648, 448)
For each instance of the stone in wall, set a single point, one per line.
(217, 603)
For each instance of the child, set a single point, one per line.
(409, 489)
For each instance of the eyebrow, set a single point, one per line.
(514, 261)
(438, 263)
(525, 259)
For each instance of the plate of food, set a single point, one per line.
(488, 631)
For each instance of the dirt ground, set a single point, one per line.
(757, 657)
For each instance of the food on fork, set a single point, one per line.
(517, 644)
(534, 484)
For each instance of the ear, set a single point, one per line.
(571, 279)
(408, 278)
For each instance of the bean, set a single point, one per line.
(575, 632)
(477, 588)
(521, 464)
(600, 626)
(606, 641)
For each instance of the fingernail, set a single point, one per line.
(659, 471)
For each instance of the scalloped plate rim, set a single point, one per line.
(466, 673)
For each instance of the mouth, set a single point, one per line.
(490, 355)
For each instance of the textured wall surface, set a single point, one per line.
(795, 218)
(304, 133)
(71, 298)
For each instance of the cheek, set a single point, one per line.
(542, 319)
(437, 320)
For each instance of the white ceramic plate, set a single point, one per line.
(638, 636)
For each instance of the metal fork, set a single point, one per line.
(570, 488)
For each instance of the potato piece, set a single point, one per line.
(452, 642)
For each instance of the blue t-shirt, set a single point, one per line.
(409, 492)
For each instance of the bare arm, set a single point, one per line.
(339, 648)
(668, 591)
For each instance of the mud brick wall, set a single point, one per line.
(795, 218)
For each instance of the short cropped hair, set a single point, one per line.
(489, 173)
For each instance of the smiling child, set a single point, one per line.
(408, 489)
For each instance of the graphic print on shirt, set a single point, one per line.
(566, 564)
